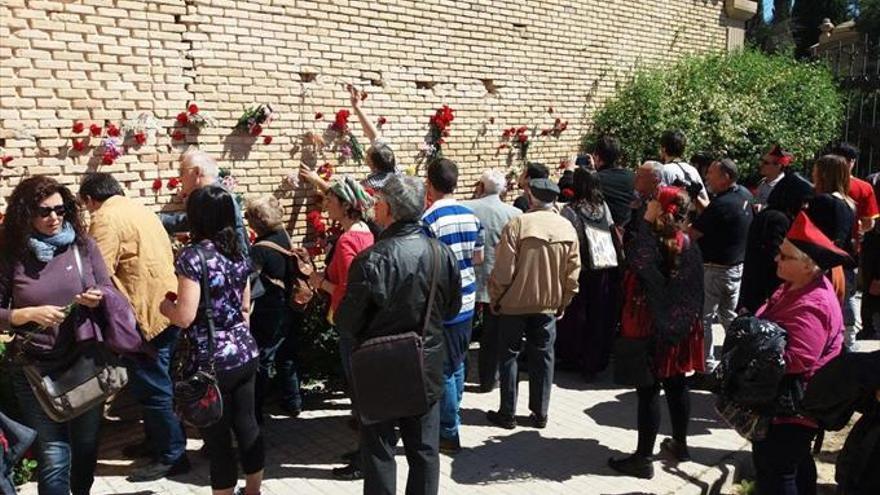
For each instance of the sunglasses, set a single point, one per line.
(45, 211)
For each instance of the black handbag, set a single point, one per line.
(197, 399)
(388, 379)
(632, 362)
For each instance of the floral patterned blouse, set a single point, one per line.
(233, 346)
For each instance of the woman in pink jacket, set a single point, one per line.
(807, 307)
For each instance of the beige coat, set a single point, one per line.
(537, 264)
(138, 255)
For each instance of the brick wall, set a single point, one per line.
(109, 60)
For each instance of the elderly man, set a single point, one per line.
(198, 169)
(138, 256)
(722, 232)
(493, 215)
(537, 263)
(649, 178)
(388, 288)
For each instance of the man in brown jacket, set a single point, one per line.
(537, 264)
(138, 255)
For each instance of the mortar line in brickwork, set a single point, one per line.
(191, 9)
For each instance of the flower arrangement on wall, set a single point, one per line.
(438, 131)
(141, 128)
(254, 120)
(341, 141)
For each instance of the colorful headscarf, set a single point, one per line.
(351, 192)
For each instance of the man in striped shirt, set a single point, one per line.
(457, 227)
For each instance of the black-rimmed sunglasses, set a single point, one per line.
(45, 211)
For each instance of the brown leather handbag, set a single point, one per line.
(387, 373)
(299, 267)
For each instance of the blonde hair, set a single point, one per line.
(265, 214)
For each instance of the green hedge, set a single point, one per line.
(736, 104)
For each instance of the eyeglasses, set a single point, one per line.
(45, 211)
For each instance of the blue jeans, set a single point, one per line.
(152, 387)
(457, 337)
(67, 453)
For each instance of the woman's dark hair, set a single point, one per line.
(587, 188)
(673, 225)
(22, 208)
(210, 211)
(382, 157)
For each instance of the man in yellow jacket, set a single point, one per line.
(535, 276)
(138, 255)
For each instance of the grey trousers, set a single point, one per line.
(540, 332)
(721, 288)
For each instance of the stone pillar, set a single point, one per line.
(738, 12)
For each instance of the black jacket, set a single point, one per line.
(388, 287)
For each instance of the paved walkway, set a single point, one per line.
(588, 424)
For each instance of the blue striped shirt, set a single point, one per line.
(457, 227)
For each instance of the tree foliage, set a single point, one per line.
(735, 104)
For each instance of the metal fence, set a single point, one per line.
(856, 65)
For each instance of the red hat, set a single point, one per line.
(808, 238)
(666, 196)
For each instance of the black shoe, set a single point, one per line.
(450, 446)
(539, 422)
(138, 450)
(637, 466)
(675, 449)
(290, 411)
(498, 419)
(159, 470)
(348, 473)
(351, 456)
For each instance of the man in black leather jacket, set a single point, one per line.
(388, 287)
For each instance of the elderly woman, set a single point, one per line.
(273, 320)
(809, 311)
(47, 258)
(663, 296)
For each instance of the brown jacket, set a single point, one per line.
(537, 264)
(138, 255)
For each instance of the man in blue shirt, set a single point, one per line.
(457, 227)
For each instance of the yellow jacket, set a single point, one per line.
(138, 255)
(537, 264)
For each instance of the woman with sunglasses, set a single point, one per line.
(49, 266)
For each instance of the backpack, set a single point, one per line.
(299, 267)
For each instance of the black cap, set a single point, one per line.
(544, 190)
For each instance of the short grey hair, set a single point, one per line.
(405, 197)
(265, 214)
(201, 160)
(656, 169)
(494, 182)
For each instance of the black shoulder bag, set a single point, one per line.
(388, 372)
(197, 397)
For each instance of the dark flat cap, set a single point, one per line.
(544, 190)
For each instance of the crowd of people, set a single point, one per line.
(604, 268)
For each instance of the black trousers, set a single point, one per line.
(237, 389)
(679, 401)
(783, 461)
(421, 438)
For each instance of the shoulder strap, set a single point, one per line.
(275, 247)
(435, 252)
(79, 266)
(205, 307)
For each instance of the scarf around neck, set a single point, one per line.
(44, 246)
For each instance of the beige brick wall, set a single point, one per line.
(109, 60)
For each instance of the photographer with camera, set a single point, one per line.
(679, 173)
(722, 230)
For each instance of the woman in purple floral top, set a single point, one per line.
(211, 214)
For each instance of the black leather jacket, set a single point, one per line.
(388, 286)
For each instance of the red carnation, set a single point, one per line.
(545, 132)
(256, 130)
(382, 121)
(95, 130)
(441, 142)
(140, 138)
(178, 135)
(182, 118)
(267, 139)
(112, 131)
(567, 193)
(171, 296)
(522, 130)
(506, 134)
(6, 159)
(319, 115)
(157, 185)
(79, 144)
(564, 126)
(78, 127)
(173, 183)
(192, 109)
(314, 251)
(523, 138)
(108, 158)
(341, 122)
(502, 146)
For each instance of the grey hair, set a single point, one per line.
(493, 181)
(265, 213)
(405, 197)
(728, 167)
(203, 161)
(656, 169)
